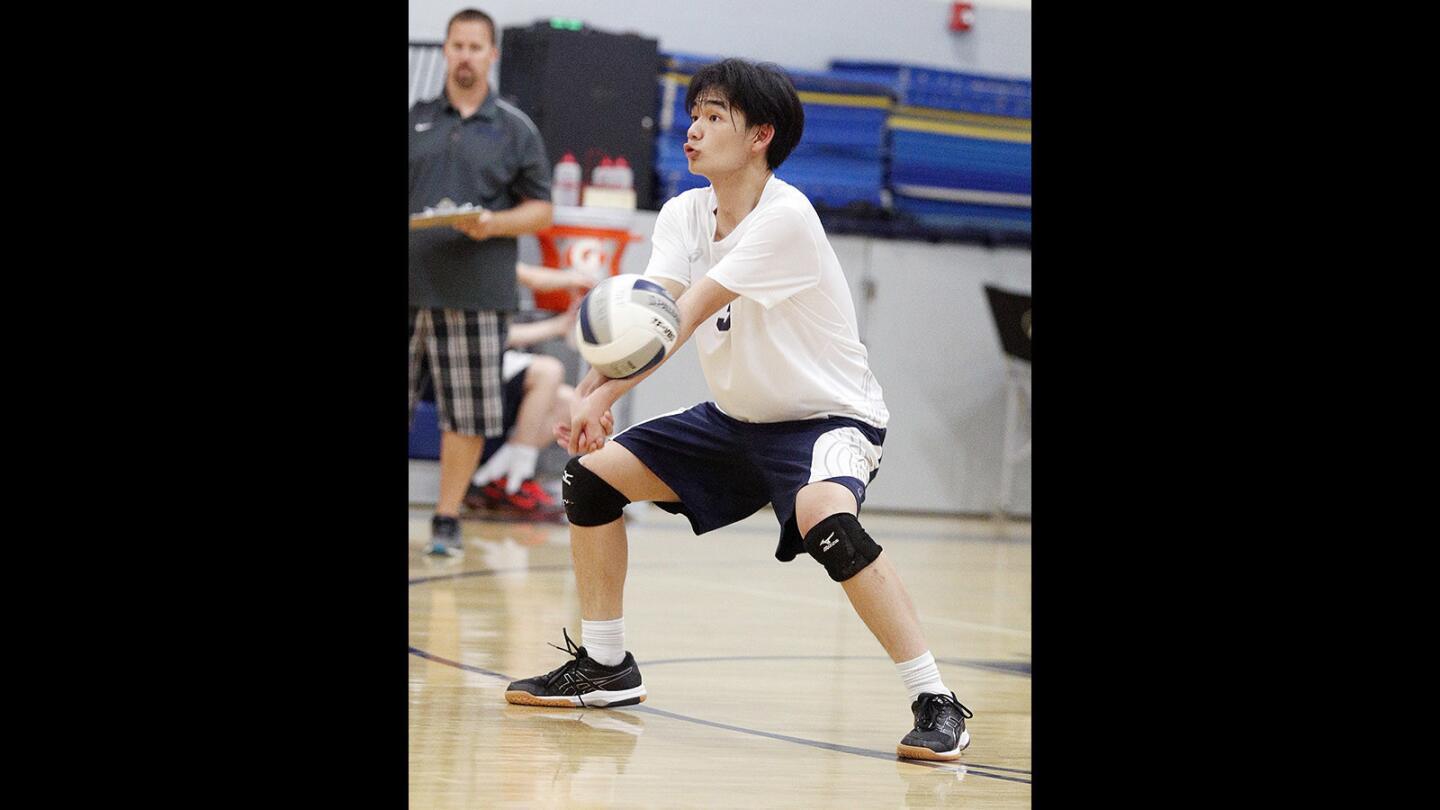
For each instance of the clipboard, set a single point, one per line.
(442, 218)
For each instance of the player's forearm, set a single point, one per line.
(610, 391)
(613, 390)
(592, 380)
(696, 304)
(527, 217)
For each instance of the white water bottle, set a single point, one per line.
(622, 176)
(566, 188)
(601, 175)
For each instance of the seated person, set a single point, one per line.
(536, 396)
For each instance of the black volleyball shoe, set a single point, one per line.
(582, 681)
(445, 539)
(939, 731)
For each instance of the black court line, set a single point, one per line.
(1011, 668)
(416, 651)
(559, 568)
(491, 572)
(1007, 667)
(901, 534)
(844, 749)
(882, 533)
(906, 535)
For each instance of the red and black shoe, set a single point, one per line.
(487, 498)
(532, 501)
(529, 502)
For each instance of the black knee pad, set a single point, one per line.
(589, 500)
(842, 546)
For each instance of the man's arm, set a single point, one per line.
(544, 279)
(527, 334)
(527, 217)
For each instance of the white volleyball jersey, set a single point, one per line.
(788, 348)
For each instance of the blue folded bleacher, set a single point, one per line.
(959, 148)
(888, 148)
(956, 160)
(840, 160)
(917, 86)
(990, 223)
(425, 431)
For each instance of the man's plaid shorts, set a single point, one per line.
(463, 350)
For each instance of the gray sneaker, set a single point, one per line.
(445, 537)
(939, 732)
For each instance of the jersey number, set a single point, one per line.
(724, 323)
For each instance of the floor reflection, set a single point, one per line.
(927, 786)
(583, 742)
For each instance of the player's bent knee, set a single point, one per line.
(589, 499)
(548, 368)
(841, 545)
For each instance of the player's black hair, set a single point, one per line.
(472, 15)
(762, 92)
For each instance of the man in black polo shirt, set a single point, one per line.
(468, 146)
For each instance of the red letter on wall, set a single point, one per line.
(962, 16)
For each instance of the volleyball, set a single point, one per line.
(626, 325)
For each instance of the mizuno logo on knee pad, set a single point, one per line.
(589, 499)
(841, 545)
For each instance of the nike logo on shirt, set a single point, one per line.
(422, 126)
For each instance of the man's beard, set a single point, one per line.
(465, 78)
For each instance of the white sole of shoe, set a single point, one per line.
(623, 696)
(921, 752)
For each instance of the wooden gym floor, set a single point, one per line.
(765, 689)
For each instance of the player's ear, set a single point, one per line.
(764, 134)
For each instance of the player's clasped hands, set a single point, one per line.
(587, 431)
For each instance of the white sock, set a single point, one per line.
(921, 675)
(522, 466)
(604, 641)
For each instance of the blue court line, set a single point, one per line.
(845, 749)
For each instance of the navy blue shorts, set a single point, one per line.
(725, 470)
(513, 394)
